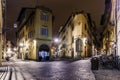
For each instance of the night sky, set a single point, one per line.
(61, 10)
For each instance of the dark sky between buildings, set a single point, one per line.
(61, 10)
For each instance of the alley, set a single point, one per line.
(55, 70)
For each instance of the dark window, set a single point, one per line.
(63, 31)
(85, 26)
(72, 27)
(44, 17)
(21, 34)
(72, 39)
(44, 31)
(26, 37)
(64, 45)
(41, 16)
(29, 22)
(63, 38)
(30, 34)
(78, 23)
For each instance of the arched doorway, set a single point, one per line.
(44, 52)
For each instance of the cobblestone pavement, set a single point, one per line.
(107, 74)
(55, 70)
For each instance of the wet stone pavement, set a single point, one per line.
(55, 70)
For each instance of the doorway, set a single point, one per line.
(43, 53)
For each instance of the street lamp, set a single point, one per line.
(15, 25)
(56, 40)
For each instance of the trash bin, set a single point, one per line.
(47, 58)
(40, 58)
(94, 63)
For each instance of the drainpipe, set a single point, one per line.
(116, 48)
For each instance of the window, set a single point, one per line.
(30, 21)
(21, 34)
(63, 38)
(44, 31)
(30, 35)
(72, 39)
(72, 27)
(78, 23)
(85, 26)
(44, 17)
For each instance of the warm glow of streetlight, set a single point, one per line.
(34, 41)
(9, 49)
(21, 44)
(84, 40)
(15, 49)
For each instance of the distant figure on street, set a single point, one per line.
(72, 53)
(40, 56)
(26, 54)
(43, 54)
(46, 54)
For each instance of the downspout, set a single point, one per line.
(116, 47)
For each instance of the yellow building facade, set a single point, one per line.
(1, 19)
(117, 2)
(109, 28)
(76, 37)
(35, 31)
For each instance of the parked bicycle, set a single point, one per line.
(110, 61)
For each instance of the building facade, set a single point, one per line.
(77, 37)
(2, 23)
(35, 32)
(108, 22)
(1, 31)
(117, 6)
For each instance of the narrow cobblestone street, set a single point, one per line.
(62, 70)
(55, 70)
